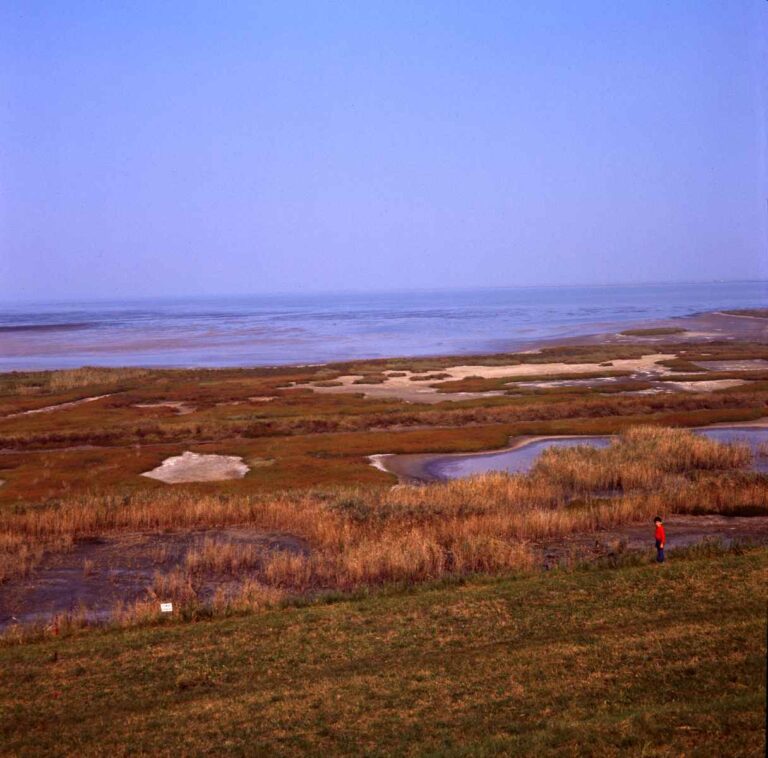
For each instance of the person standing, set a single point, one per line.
(661, 539)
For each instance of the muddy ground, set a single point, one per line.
(681, 532)
(97, 574)
(101, 573)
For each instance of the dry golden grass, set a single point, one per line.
(222, 557)
(173, 585)
(19, 554)
(415, 533)
(639, 459)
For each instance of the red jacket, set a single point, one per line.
(660, 536)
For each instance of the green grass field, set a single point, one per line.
(639, 660)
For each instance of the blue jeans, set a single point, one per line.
(659, 552)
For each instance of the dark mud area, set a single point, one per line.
(98, 574)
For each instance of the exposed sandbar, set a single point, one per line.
(195, 467)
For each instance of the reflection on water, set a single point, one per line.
(513, 461)
(754, 437)
(523, 458)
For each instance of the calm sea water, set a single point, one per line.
(275, 329)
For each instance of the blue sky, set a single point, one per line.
(204, 148)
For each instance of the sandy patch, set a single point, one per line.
(378, 461)
(685, 336)
(58, 406)
(194, 467)
(181, 408)
(648, 363)
(739, 315)
(571, 383)
(649, 391)
(745, 365)
(760, 423)
(262, 398)
(707, 386)
(403, 388)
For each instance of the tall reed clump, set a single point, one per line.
(19, 554)
(223, 557)
(639, 459)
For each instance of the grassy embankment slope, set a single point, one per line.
(635, 660)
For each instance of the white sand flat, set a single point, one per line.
(402, 388)
(707, 385)
(58, 406)
(195, 467)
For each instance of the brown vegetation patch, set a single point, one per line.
(660, 331)
(181, 408)
(429, 377)
(681, 364)
(705, 386)
(366, 379)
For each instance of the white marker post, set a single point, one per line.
(166, 607)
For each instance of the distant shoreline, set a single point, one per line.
(12, 328)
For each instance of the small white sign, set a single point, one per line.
(166, 607)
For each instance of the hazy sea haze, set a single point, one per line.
(314, 328)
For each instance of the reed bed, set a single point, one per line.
(19, 555)
(37, 382)
(67, 379)
(639, 459)
(223, 557)
(363, 537)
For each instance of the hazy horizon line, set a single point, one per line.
(376, 291)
